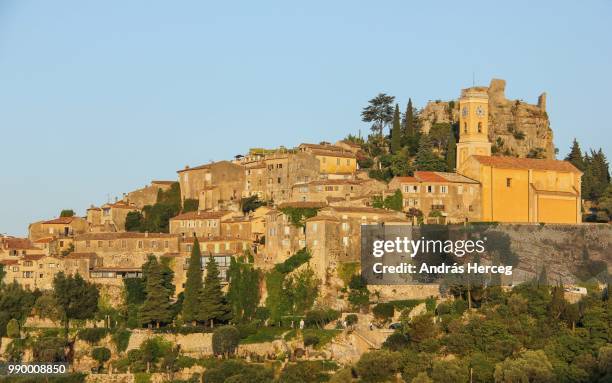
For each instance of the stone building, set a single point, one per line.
(513, 189)
(213, 184)
(334, 190)
(148, 194)
(33, 271)
(332, 159)
(126, 249)
(449, 196)
(283, 170)
(13, 247)
(334, 235)
(202, 224)
(59, 227)
(255, 180)
(110, 217)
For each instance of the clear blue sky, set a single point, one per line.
(98, 99)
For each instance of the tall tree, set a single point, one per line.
(77, 298)
(409, 121)
(213, 305)
(396, 132)
(451, 152)
(600, 173)
(193, 285)
(426, 159)
(156, 309)
(243, 293)
(575, 156)
(379, 112)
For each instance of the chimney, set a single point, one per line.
(146, 234)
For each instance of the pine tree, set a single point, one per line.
(451, 152)
(600, 174)
(156, 308)
(193, 285)
(396, 132)
(213, 305)
(575, 156)
(426, 159)
(243, 292)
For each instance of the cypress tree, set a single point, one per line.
(243, 292)
(575, 156)
(396, 132)
(426, 159)
(409, 125)
(156, 308)
(193, 285)
(600, 174)
(451, 152)
(212, 302)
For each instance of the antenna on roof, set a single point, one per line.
(473, 78)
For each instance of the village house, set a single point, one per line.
(33, 271)
(110, 216)
(81, 263)
(148, 194)
(202, 224)
(255, 180)
(12, 247)
(283, 170)
(55, 246)
(59, 227)
(349, 146)
(126, 249)
(215, 185)
(332, 159)
(283, 237)
(440, 197)
(334, 235)
(335, 190)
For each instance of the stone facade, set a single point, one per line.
(148, 194)
(212, 184)
(59, 227)
(203, 224)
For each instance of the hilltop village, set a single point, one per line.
(258, 256)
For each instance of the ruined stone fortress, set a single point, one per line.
(494, 181)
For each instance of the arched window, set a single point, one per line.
(465, 127)
(480, 127)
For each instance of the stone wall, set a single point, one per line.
(508, 121)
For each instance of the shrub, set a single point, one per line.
(378, 366)
(92, 335)
(311, 340)
(237, 371)
(294, 261)
(225, 340)
(321, 317)
(396, 342)
(384, 311)
(12, 329)
(351, 319)
(246, 329)
(302, 372)
(121, 339)
(153, 349)
(262, 313)
(49, 350)
(101, 355)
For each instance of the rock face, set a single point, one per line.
(516, 128)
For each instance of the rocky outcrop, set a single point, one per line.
(516, 128)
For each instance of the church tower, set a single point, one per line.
(473, 125)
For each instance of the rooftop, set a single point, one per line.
(527, 163)
(202, 215)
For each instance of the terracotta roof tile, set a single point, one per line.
(202, 215)
(527, 163)
(122, 235)
(302, 204)
(60, 220)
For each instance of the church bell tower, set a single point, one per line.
(473, 125)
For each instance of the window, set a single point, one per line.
(315, 242)
(345, 226)
(28, 274)
(87, 244)
(348, 162)
(15, 268)
(429, 189)
(345, 241)
(480, 127)
(337, 161)
(99, 243)
(189, 248)
(123, 243)
(278, 180)
(61, 243)
(314, 227)
(459, 189)
(508, 182)
(110, 243)
(140, 244)
(443, 189)
(166, 245)
(465, 127)
(154, 244)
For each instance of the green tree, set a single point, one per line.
(303, 372)
(101, 355)
(193, 286)
(225, 340)
(67, 213)
(133, 221)
(394, 201)
(451, 152)
(409, 123)
(449, 371)
(378, 366)
(249, 204)
(156, 309)
(190, 204)
(575, 156)
(15, 303)
(396, 132)
(379, 112)
(77, 298)
(530, 366)
(12, 329)
(243, 293)
(213, 305)
(426, 159)
(47, 307)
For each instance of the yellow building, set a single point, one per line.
(332, 159)
(513, 189)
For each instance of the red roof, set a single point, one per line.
(429, 177)
(527, 163)
(60, 220)
(202, 215)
